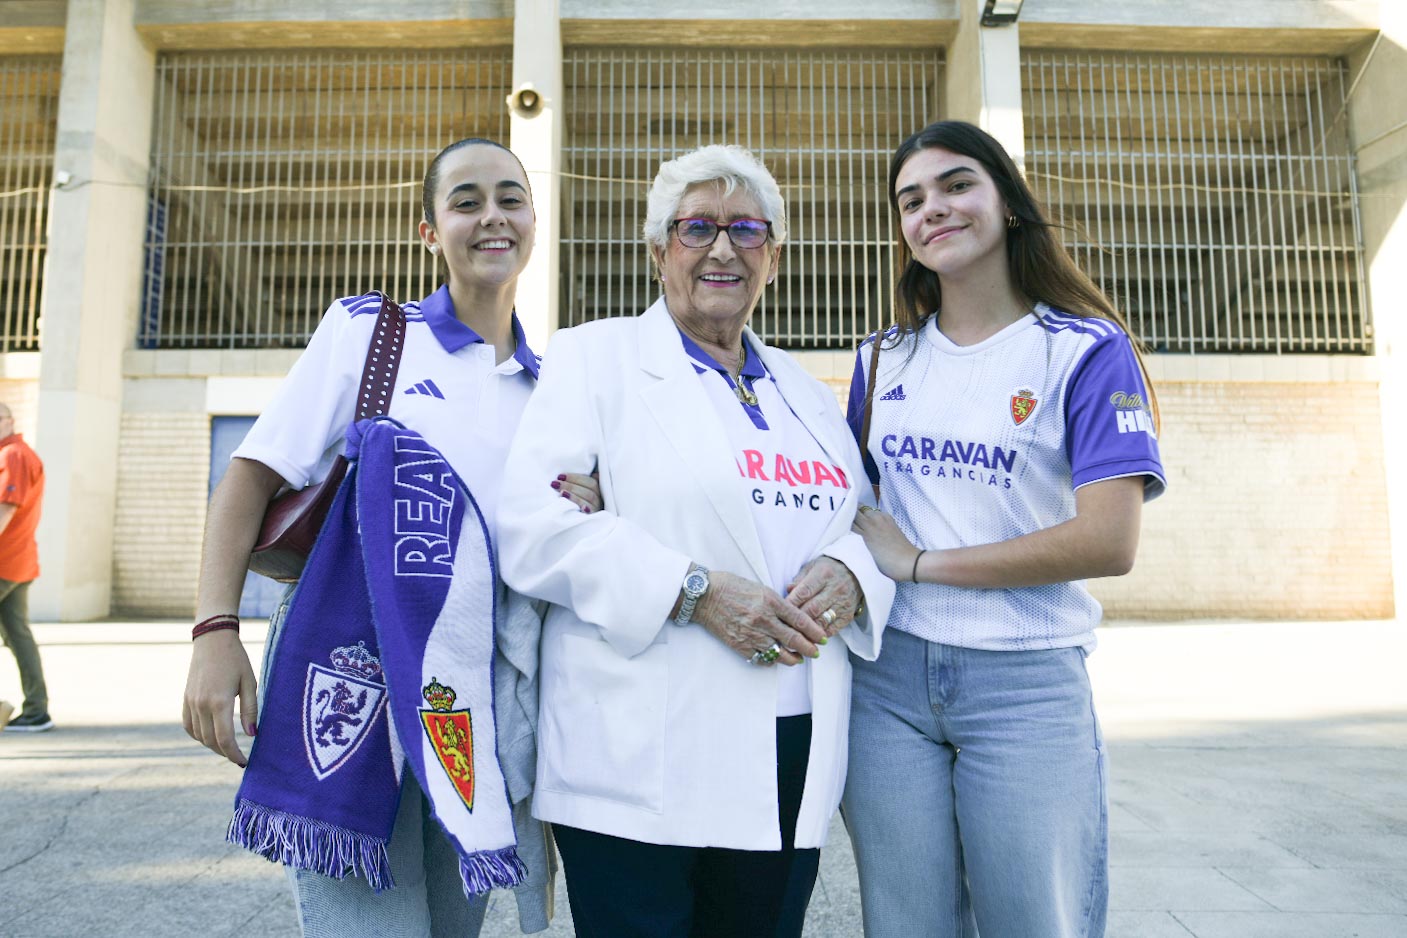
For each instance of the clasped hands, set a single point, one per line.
(748, 617)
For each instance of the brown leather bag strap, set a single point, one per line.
(383, 361)
(869, 403)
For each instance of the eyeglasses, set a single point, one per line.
(702, 232)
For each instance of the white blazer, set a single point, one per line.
(647, 730)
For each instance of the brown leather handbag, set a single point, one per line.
(293, 519)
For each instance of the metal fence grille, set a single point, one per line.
(1213, 197)
(282, 180)
(29, 116)
(824, 122)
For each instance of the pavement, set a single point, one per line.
(1258, 789)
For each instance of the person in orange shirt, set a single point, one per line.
(21, 490)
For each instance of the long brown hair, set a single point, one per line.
(1041, 268)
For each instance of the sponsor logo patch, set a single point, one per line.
(1132, 412)
(895, 393)
(426, 387)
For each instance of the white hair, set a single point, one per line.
(731, 165)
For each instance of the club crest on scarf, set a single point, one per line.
(451, 734)
(400, 585)
(339, 705)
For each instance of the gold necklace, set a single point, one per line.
(740, 389)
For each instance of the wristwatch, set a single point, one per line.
(695, 585)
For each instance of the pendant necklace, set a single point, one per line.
(744, 393)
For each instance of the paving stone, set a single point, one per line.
(1203, 849)
(1179, 888)
(1258, 813)
(1280, 925)
(1131, 924)
(1326, 890)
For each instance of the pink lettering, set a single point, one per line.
(780, 472)
(754, 465)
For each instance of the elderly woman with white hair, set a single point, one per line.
(692, 739)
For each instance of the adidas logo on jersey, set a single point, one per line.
(426, 387)
(895, 393)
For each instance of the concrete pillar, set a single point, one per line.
(1378, 128)
(984, 79)
(92, 286)
(537, 139)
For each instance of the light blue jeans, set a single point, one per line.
(428, 900)
(976, 797)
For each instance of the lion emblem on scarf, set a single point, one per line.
(451, 736)
(340, 706)
(336, 710)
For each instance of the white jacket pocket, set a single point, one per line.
(602, 721)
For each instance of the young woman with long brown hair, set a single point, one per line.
(1013, 437)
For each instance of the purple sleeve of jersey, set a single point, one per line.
(1109, 420)
(855, 410)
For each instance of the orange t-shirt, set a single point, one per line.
(21, 485)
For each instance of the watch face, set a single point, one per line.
(696, 582)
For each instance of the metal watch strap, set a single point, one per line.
(690, 602)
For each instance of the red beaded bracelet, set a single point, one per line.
(215, 624)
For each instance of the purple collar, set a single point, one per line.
(453, 335)
(752, 365)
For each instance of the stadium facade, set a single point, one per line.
(185, 185)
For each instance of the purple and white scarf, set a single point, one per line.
(385, 658)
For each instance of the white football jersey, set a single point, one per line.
(983, 443)
(450, 389)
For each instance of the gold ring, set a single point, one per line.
(828, 617)
(865, 509)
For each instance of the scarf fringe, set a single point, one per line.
(492, 869)
(309, 844)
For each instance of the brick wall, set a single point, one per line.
(163, 470)
(1276, 506)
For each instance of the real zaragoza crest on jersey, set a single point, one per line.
(1023, 405)
(340, 704)
(451, 734)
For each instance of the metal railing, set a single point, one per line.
(825, 124)
(29, 117)
(1213, 197)
(280, 181)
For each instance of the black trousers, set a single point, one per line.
(626, 889)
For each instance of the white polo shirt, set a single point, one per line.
(449, 389)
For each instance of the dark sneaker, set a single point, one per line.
(30, 724)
